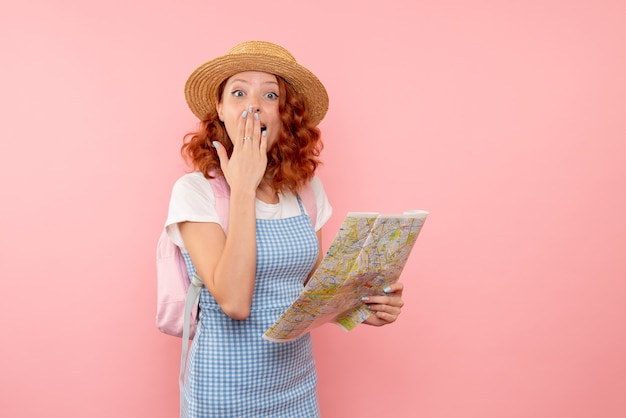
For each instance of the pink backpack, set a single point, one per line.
(177, 293)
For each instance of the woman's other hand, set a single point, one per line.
(387, 308)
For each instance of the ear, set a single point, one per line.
(218, 108)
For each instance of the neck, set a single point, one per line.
(265, 193)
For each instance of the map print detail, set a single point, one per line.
(368, 253)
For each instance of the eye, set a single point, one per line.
(271, 95)
(237, 93)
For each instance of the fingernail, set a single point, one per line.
(216, 144)
(250, 109)
(264, 133)
(244, 114)
(387, 289)
(365, 298)
(256, 116)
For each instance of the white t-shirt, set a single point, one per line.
(193, 200)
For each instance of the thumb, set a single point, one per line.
(221, 153)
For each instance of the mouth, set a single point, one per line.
(263, 129)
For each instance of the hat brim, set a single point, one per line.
(201, 89)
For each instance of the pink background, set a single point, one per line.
(506, 120)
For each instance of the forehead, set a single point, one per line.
(252, 77)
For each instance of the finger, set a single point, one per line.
(386, 316)
(395, 288)
(240, 133)
(222, 154)
(263, 144)
(385, 308)
(249, 128)
(385, 311)
(257, 135)
(378, 319)
(386, 300)
(256, 127)
(382, 317)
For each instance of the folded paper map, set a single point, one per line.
(368, 254)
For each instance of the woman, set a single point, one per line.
(259, 111)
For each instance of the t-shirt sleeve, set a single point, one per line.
(193, 200)
(324, 209)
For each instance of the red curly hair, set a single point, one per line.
(291, 160)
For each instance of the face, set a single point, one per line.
(254, 89)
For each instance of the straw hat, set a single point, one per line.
(201, 89)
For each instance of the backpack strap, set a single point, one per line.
(193, 298)
(310, 204)
(221, 190)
